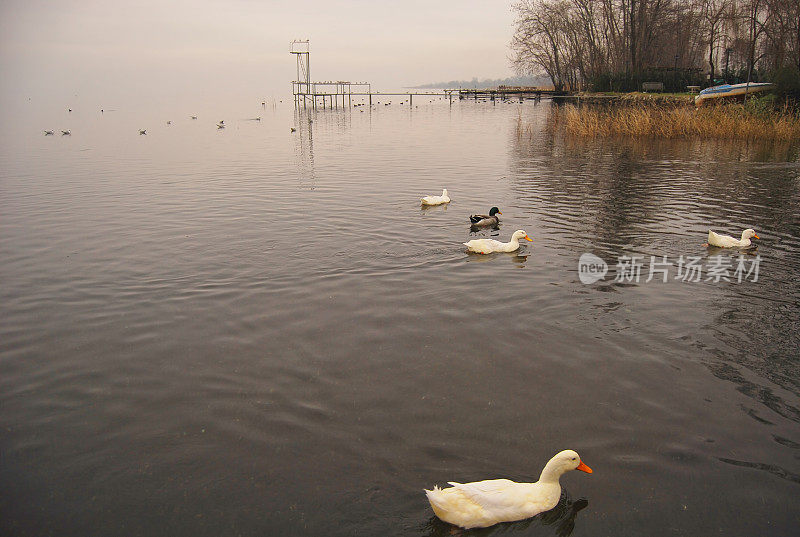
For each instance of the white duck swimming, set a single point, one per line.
(436, 200)
(487, 246)
(485, 503)
(724, 241)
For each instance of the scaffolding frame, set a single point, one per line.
(303, 88)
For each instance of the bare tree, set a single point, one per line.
(539, 39)
(713, 13)
(574, 41)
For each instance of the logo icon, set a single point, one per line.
(591, 268)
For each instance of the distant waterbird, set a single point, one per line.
(725, 241)
(66, 133)
(194, 117)
(48, 133)
(484, 220)
(488, 246)
(436, 200)
(142, 131)
(292, 129)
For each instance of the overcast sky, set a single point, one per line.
(164, 48)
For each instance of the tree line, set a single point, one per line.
(615, 45)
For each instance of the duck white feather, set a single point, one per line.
(436, 200)
(488, 246)
(725, 241)
(484, 503)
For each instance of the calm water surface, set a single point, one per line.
(252, 331)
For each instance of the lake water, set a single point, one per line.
(254, 331)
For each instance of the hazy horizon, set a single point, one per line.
(111, 52)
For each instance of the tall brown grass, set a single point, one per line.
(732, 121)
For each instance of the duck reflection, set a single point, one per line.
(514, 257)
(425, 208)
(476, 228)
(561, 518)
(716, 250)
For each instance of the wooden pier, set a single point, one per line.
(505, 93)
(335, 94)
(309, 94)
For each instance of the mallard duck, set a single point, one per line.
(436, 200)
(724, 241)
(482, 220)
(484, 503)
(487, 246)
(48, 133)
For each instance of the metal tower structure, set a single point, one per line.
(302, 83)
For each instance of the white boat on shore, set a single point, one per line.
(731, 90)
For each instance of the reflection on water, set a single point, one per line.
(660, 198)
(513, 257)
(559, 521)
(771, 468)
(262, 332)
(304, 149)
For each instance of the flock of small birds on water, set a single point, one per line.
(143, 132)
(221, 123)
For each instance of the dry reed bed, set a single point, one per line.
(729, 121)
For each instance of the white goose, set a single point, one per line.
(724, 241)
(436, 200)
(487, 246)
(485, 503)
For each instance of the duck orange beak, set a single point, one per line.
(583, 468)
(528, 238)
(756, 236)
(498, 212)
